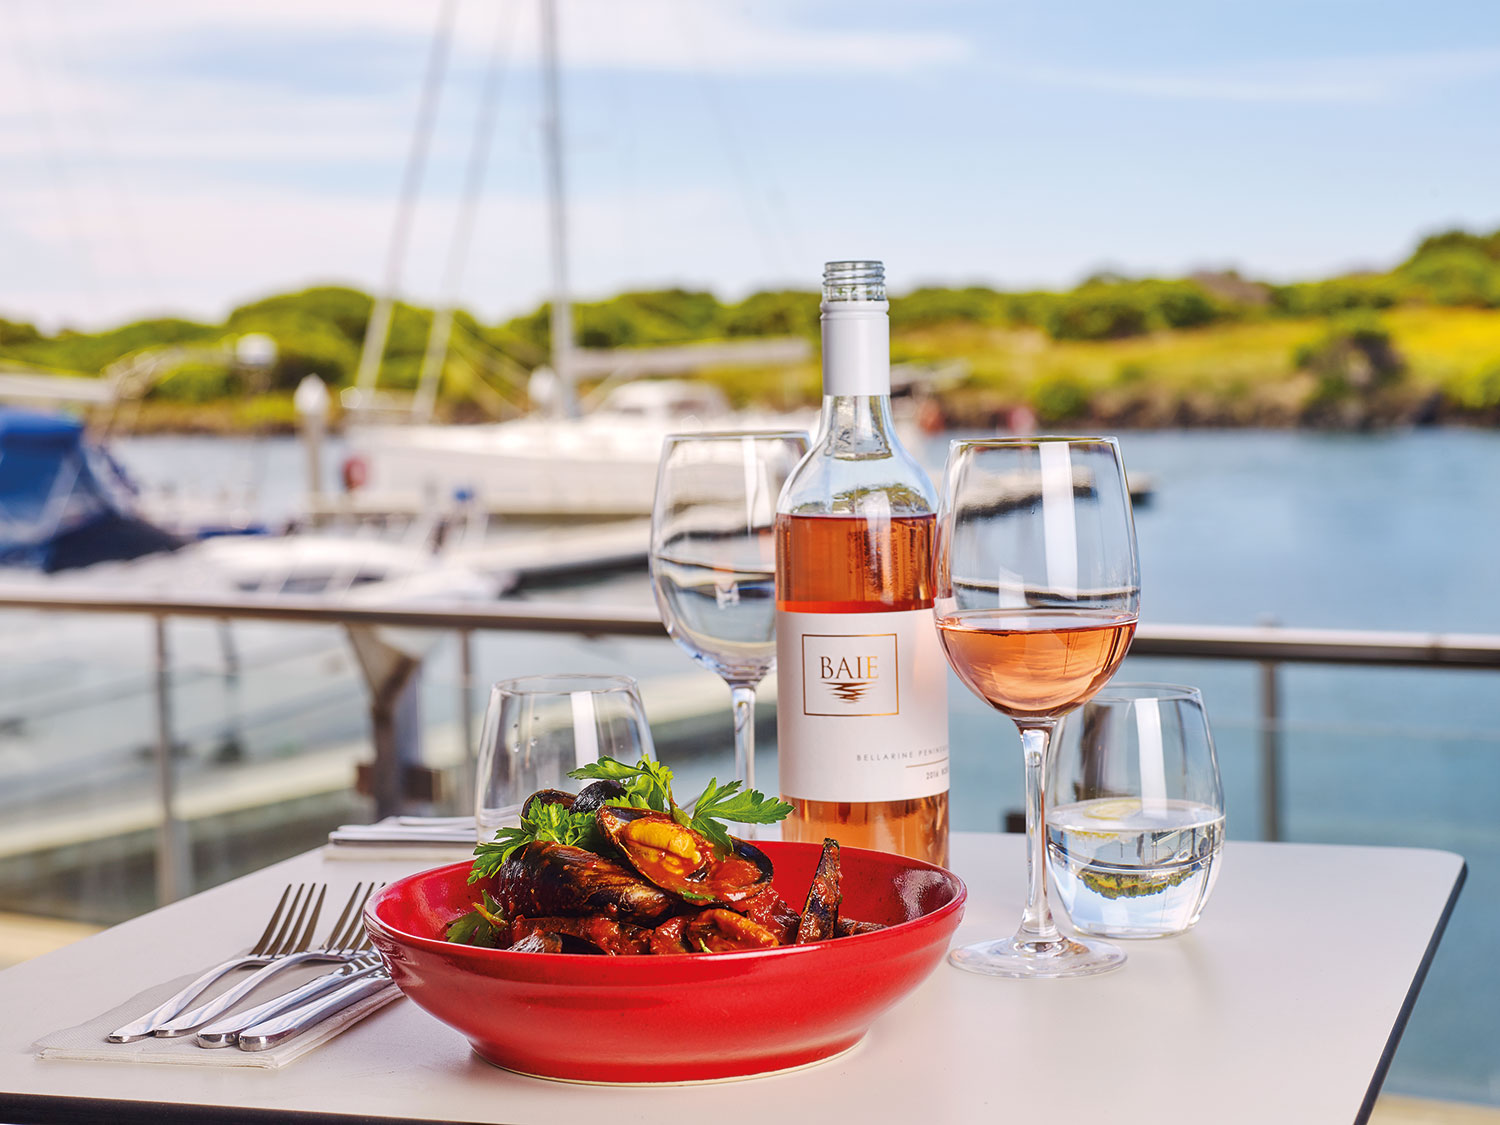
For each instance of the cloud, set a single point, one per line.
(658, 35)
(1373, 79)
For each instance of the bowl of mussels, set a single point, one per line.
(616, 936)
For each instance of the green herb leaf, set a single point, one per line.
(727, 803)
(748, 807)
(648, 785)
(548, 823)
(480, 926)
(716, 833)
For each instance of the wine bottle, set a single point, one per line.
(862, 690)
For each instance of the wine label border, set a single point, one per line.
(896, 659)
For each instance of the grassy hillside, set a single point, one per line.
(1418, 343)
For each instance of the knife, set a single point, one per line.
(225, 1032)
(278, 1029)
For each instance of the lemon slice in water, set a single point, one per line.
(1112, 810)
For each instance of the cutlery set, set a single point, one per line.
(285, 943)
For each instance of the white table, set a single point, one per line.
(1283, 1006)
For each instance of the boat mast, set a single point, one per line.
(379, 326)
(562, 309)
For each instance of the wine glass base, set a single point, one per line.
(1024, 960)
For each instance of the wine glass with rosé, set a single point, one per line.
(1037, 595)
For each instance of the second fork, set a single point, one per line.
(344, 942)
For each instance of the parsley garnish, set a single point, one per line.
(648, 785)
(730, 803)
(552, 823)
(480, 926)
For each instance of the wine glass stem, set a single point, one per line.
(1036, 922)
(744, 733)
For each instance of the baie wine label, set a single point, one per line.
(864, 698)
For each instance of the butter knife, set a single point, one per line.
(278, 1029)
(225, 1032)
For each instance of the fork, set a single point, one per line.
(278, 938)
(226, 1032)
(342, 944)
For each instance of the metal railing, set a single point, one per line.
(389, 673)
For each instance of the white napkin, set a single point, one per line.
(87, 1040)
(443, 838)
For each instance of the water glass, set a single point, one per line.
(713, 559)
(1137, 820)
(537, 728)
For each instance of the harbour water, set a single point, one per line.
(1377, 531)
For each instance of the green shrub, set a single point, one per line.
(1458, 275)
(305, 345)
(346, 309)
(17, 332)
(1354, 356)
(1098, 313)
(1477, 390)
(781, 312)
(1341, 294)
(922, 308)
(1106, 309)
(197, 382)
(1443, 241)
(1058, 397)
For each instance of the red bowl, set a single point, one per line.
(688, 1018)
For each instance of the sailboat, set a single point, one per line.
(563, 458)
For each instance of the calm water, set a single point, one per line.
(1397, 531)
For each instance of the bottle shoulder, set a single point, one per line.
(828, 483)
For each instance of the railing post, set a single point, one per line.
(466, 717)
(394, 679)
(1270, 750)
(173, 860)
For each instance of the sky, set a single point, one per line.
(185, 156)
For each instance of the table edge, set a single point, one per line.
(55, 1109)
(1383, 1066)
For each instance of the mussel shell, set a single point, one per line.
(820, 915)
(548, 797)
(711, 881)
(544, 879)
(594, 934)
(591, 796)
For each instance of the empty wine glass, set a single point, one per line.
(537, 728)
(713, 559)
(1136, 821)
(1037, 593)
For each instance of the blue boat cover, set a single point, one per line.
(63, 500)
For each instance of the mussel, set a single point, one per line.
(544, 879)
(723, 931)
(821, 914)
(671, 936)
(594, 934)
(683, 861)
(591, 796)
(548, 797)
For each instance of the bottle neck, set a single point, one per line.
(856, 426)
(856, 348)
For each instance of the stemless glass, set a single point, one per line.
(1136, 822)
(1037, 594)
(537, 728)
(713, 558)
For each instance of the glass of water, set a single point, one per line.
(1136, 822)
(537, 728)
(713, 559)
